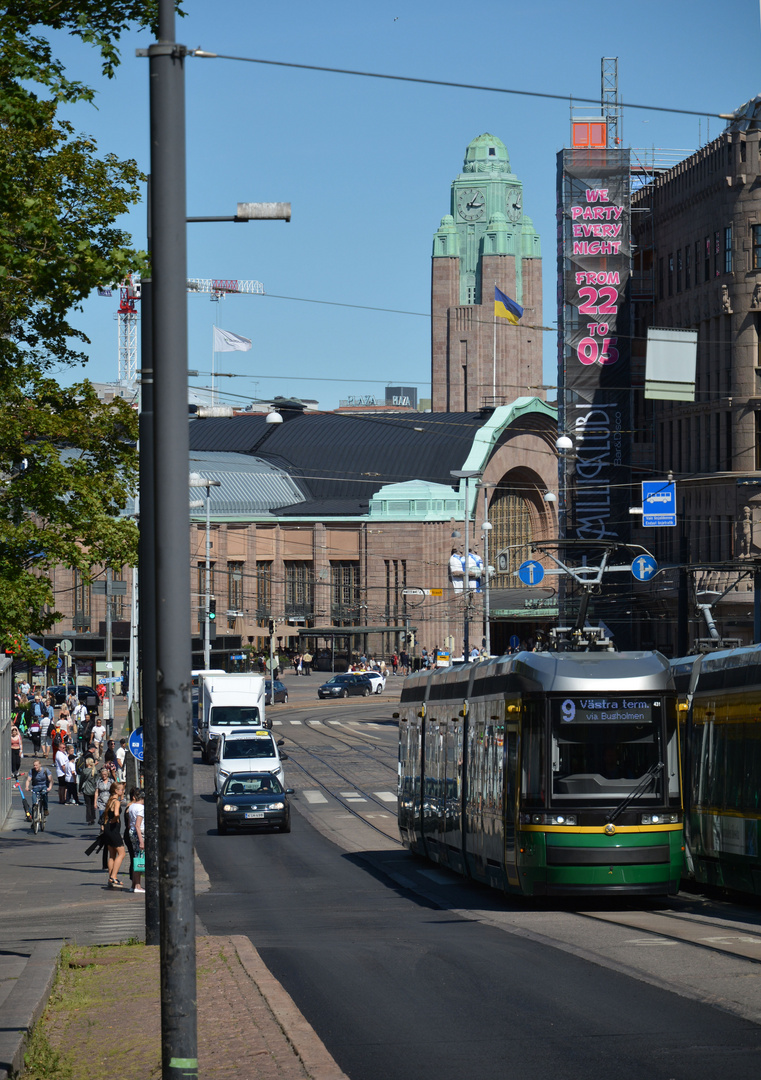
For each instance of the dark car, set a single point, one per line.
(253, 800)
(86, 694)
(345, 686)
(281, 694)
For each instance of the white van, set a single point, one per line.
(229, 702)
(247, 751)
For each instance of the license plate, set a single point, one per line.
(259, 813)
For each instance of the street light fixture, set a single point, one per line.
(486, 528)
(195, 480)
(466, 475)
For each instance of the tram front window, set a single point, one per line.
(602, 748)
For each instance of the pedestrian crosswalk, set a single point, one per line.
(315, 722)
(315, 798)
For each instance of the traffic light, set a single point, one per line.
(271, 627)
(212, 613)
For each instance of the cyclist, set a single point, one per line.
(40, 782)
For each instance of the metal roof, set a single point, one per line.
(341, 459)
(248, 485)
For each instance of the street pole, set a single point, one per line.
(466, 627)
(109, 651)
(487, 529)
(207, 600)
(179, 1046)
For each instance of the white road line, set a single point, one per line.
(334, 721)
(314, 797)
(350, 794)
(295, 723)
(387, 796)
(277, 723)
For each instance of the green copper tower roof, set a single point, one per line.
(486, 154)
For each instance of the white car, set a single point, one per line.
(252, 750)
(378, 681)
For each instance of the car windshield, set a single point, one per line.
(234, 716)
(337, 680)
(253, 785)
(250, 748)
(602, 749)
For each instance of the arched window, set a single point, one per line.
(510, 519)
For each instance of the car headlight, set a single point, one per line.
(659, 819)
(276, 806)
(229, 806)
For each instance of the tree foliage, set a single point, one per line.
(67, 460)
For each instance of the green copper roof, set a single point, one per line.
(486, 154)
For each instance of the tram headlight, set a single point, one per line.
(561, 819)
(549, 819)
(659, 819)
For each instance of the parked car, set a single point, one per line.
(280, 695)
(86, 694)
(253, 800)
(345, 686)
(378, 681)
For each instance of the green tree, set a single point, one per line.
(67, 461)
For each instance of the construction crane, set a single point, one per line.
(129, 296)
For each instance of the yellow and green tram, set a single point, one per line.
(546, 774)
(721, 737)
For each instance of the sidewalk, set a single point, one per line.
(52, 892)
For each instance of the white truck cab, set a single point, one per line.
(229, 702)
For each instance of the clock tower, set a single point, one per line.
(485, 240)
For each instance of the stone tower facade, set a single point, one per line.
(485, 240)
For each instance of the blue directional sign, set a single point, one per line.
(531, 572)
(658, 502)
(644, 567)
(135, 743)
(514, 642)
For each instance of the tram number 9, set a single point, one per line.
(568, 710)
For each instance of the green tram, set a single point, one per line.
(546, 774)
(720, 718)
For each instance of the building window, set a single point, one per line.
(756, 235)
(82, 601)
(687, 266)
(396, 580)
(660, 278)
(235, 586)
(716, 254)
(671, 274)
(263, 591)
(742, 150)
(707, 260)
(510, 519)
(299, 590)
(757, 416)
(679, 271)
(344, 593)
(728, 250)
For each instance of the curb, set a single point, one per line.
(26, 1004)
(316, 1059)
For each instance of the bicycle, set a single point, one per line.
(39, 805)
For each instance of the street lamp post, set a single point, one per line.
(487, 527)
(195, 481)
(466, 475)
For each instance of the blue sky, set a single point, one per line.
(367, 164)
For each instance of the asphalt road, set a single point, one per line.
(398, 987)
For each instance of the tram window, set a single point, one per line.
(533, 756)
(602, 761)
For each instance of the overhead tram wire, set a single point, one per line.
(204, 55)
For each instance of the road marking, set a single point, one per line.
(387, 796)
(277, 723)
(295, 723)
(383, 815)
(649, 941)
(334, 721)
(352, 796)
(314, 797)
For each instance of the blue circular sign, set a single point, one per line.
(644, 567)
(514, 642)
(135, 743)
(531, 572)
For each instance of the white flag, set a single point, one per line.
(227, 341)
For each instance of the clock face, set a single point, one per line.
(514, 205)
(471, 204)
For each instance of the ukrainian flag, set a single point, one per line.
(506, 308)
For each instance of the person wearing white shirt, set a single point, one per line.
(61, 760)
(121, 755)
(98, 737)
(136, 836)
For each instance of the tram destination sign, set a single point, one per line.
(622, 709)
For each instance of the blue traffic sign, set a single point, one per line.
(514, 642)
(135, 743)
(658, 503)
(644, 567)
(531, 572)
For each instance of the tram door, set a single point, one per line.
(511, 789)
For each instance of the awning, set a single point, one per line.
(40, 648)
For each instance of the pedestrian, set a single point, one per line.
(64, 724)
(17, 751)
(99, 736)
(102, 790)
(110, 754)
(61, 760)
(394, 663)
(121, 757)
(135, 837)
(307, 660)
(41, 715)
(72, 796)
(112, 836)
(40, 782)
(88, 785)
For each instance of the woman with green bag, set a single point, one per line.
(135, 838)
